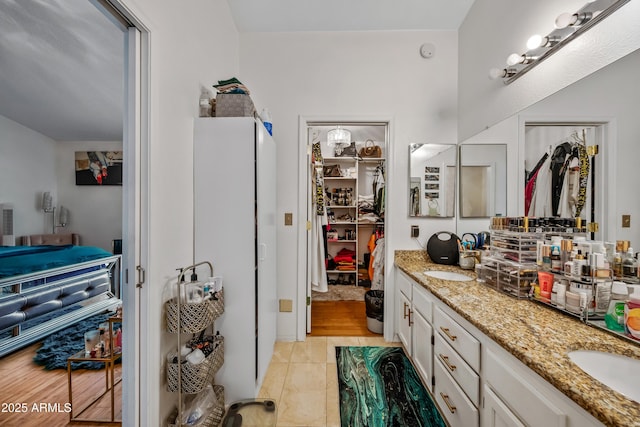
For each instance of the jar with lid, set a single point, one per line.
(614, 318)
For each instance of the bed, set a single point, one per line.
(49, 283)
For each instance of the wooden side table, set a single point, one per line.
(110, 381)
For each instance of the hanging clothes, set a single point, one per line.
(320, 222)
(530, 182)
(377, 282)
(558, 169)
(541, 199)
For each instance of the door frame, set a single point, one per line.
(304, 225)
(136, 125)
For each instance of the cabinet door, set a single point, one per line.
(422, 348)
(403, 314)
(495, 413)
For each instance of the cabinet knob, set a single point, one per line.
(448, 334)
(445, 397)
(445, 360)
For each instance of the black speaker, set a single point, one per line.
(442, 248)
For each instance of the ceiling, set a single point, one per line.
(62, 60)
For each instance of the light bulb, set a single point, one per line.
(565, 19)
(513, 59)
(496, 73)
(536, 41)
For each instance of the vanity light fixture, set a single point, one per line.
(338, 138)
(567, 27)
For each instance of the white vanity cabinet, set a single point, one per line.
(415, 317)
(476, 382)
(457, 367)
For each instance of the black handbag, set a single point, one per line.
(348, 151)
(331, 171)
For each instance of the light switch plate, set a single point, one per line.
(286, 305)
(415, 231)
(288, 218)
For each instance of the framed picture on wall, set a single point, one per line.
(98, 167)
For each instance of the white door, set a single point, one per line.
(266, 217)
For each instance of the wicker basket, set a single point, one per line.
(213, 418)
(196, 377)
(194, 317)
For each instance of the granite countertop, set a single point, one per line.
(538, 336)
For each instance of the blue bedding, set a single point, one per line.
(17, 260)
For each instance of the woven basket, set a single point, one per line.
(213, 418)
(196, 377)
(194, 317)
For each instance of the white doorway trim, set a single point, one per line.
(304, 223)
(139, 406)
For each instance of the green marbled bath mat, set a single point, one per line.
(379, 387)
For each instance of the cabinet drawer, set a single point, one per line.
(423, 303)
(526, 402)
(454, 405)
(461, 372)
(458, 338)
(404, 284)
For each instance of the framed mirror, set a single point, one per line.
(483, 180)
(432, 180)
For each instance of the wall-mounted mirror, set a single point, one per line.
(483, 180)
(432, 180)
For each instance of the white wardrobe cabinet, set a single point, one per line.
(234, 226)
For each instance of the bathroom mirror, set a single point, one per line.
(483, 180)
(432, 180)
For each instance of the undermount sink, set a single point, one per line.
(620, 373)
(447, 275)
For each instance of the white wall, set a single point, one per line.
(95, 212)
(493, 29)
(28, 159)
(351, 75)
(192, 43)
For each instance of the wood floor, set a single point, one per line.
(32, 396)
(339, 318)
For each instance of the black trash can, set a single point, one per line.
(374, 306)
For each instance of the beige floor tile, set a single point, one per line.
(273, 382)
(282, 351)
(306, 377)
(333, 342)
(333, 395)
(313, 350)
(305, 408)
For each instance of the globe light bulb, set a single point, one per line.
(564, 20)
(535, 41)
(496, 73)
(513, 59)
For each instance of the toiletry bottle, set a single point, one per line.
(603, 296)
(578, 263)
(630, 267)
(556, 263)
(614, 319)
(265, 115)
(546, 258)
(561, 291)
(632, 316)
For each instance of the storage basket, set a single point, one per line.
(196, 377)
(194, 317)
(213, 418)
(234, 105)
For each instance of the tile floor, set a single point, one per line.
(302, 379)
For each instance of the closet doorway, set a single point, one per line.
(345, 202)
(564, 168)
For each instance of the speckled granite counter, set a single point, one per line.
(539, 336)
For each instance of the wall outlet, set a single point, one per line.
(286, 305)
(288, 218)
(415, 231)
(626, 221)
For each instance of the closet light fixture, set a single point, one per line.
(568, 26)
(338, 138)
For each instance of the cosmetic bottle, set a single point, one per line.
(630, 267)
(546, 258)
(561, 291)
(603, 296)
(614, 318)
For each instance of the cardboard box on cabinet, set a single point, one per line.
(234, 105)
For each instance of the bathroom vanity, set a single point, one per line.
(490, 359)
